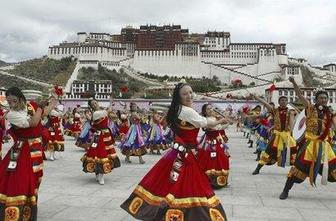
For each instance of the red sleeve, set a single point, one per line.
(2, 120)
(35, 106)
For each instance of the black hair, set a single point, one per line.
(15, 91)
(90, 104)
(74, 111)
(258, 106)
(281, 98)
(271, 103)
(119, 114)
(175, 107)
(318, 93)
(131, 104)
(204, 107)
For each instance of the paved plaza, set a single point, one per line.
(67, 193)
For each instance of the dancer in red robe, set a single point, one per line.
(56, 141)
(101, 157)
(214, 156)
(176, 188)
(21, 169)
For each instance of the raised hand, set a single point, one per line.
(291, 79)
(52, 103)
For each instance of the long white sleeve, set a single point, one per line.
(190, 115)
(218, 126)
(18, 118)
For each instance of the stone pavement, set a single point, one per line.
(67, 193)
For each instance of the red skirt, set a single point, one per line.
(215, 163)
(45, 141)
(75, 129)
(189, 198)
(18, 188)
(56, 141)
(101, 156)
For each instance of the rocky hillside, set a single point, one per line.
(9, 81)
(46, 70)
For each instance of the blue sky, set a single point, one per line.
(308, 27)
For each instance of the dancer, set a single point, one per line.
(56, 141)
(263, 134)
(175, 188)
(251, 124)
(214, 158)
(66, 123)
(113, 124)
(124, 125)
(315, 155)
(145, 123)
(76, 126)
(156, 140)
(281, 148)
(21, 170)
(134, 144)
(239, 125)
(83, 140)
(100, 158)
(168, 132)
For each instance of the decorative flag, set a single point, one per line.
(58, 91)
(246, 109)
(272, 88)
(124, 89)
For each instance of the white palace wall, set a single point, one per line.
(268, 61)
(187, 59)
(88, 53)
(190, 66)
(159, 63)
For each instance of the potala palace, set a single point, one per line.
(173, 51)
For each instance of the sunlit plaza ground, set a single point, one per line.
(67, 193)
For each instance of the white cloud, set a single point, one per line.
(308, 27)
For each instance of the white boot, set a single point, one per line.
(97, 177)
(52, 156)
(101, 179)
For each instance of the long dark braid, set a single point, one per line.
(175, 108)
